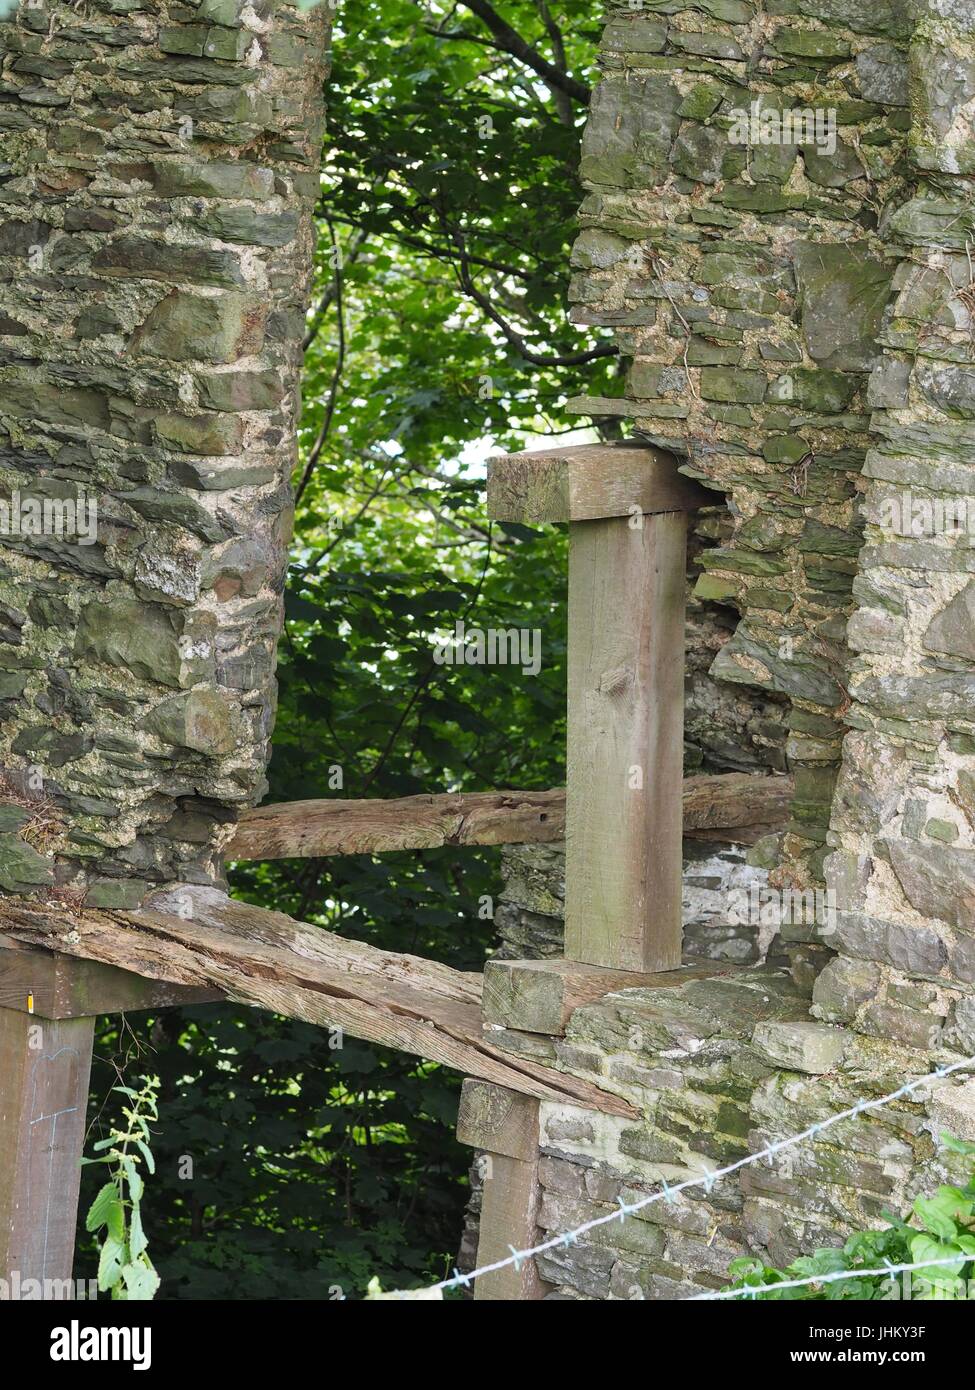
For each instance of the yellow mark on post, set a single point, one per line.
(30, 1001)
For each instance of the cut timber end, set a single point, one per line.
(589, 481)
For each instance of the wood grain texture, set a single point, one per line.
(509, 1220)
(44, 1071)
(58, 987)
(267, 960)
(625, 742)
(729, 806)
(539, 996)
(301, 829)
(504, 1126)
(497, 1120)
(588, 481)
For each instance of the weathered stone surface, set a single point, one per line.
(141, 637)
(805, 1047)
(843, 293)
(22, 869)
(216, 328)
(201, 719)
(938, 880)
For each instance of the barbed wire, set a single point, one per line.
(707, 1180)
(835, 1277)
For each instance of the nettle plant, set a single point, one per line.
(124, 1266)
(941, 1227)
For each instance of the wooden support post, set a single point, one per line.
(504, 1126)
(44, 1070)
(626, 510)
(48, 1005)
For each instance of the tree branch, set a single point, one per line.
(513, 43)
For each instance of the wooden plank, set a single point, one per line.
(496, 1119)
(267, 960)
(540, 996)
(587, 481)
(733, 806)
(298, 829)
(625, 742)
(44, 1076)
(53, 986)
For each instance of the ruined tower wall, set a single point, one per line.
(159, 171)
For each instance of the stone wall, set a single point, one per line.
(800, 327)
(159, 170)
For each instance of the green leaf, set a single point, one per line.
(140, 1279)
(100, 1211)
(138, 1240)
(110, 1261)
(134, 1177)
(937, 1214)
(146, 1154)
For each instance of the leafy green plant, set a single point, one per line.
(943, 1229)
(124, 1266)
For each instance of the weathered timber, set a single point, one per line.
(625, 743)
(44, 1070)
(39, 982)
(588, 481)
(729, 806)
(539, 996)
(504, 1126)
(736, 807)
(497, 1120)
(265, 959)
(302, 829)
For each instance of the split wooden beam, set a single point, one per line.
(199, 937)
(730, 806)
(627, 513)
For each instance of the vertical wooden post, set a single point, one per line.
(48, 1005)
(44, 1071)
(504, 1126)
(624, 818)
(626, 508)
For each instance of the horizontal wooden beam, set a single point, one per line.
(306, 829)
(586, 482)
(53, 986)
(200, 937)
(726, 806)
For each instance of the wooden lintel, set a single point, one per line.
(40, 982)
(588, 481)
(732, 806)
(199, 937)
